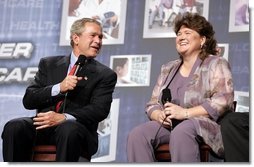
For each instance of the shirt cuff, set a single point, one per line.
(55, 90)
(69, 117)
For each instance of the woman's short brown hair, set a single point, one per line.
(199, 24)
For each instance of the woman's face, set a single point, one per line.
(188, 42)
(122, 70)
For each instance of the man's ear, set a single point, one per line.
(75, 39)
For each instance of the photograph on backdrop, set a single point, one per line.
(107, 131)
(160, 14)
(131, 70)
(239, 16)
(243, 101)
(223, 50)
(110, 13)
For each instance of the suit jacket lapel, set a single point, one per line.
(88, 71)
(61, 68)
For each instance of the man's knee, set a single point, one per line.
(231, 119)
(67, 129)
(16, 126)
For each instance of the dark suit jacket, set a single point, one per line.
(89, 102)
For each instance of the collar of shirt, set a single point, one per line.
(72, 61)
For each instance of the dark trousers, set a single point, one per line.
(235, 136)
(19, 136)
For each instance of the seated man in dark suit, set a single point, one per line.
(72, 128)
(235, 136)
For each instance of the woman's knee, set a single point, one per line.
(183, 130)
(144, 132)
(134, 133)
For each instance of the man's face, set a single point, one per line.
(90, 41)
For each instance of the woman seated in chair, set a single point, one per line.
(202, 91)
